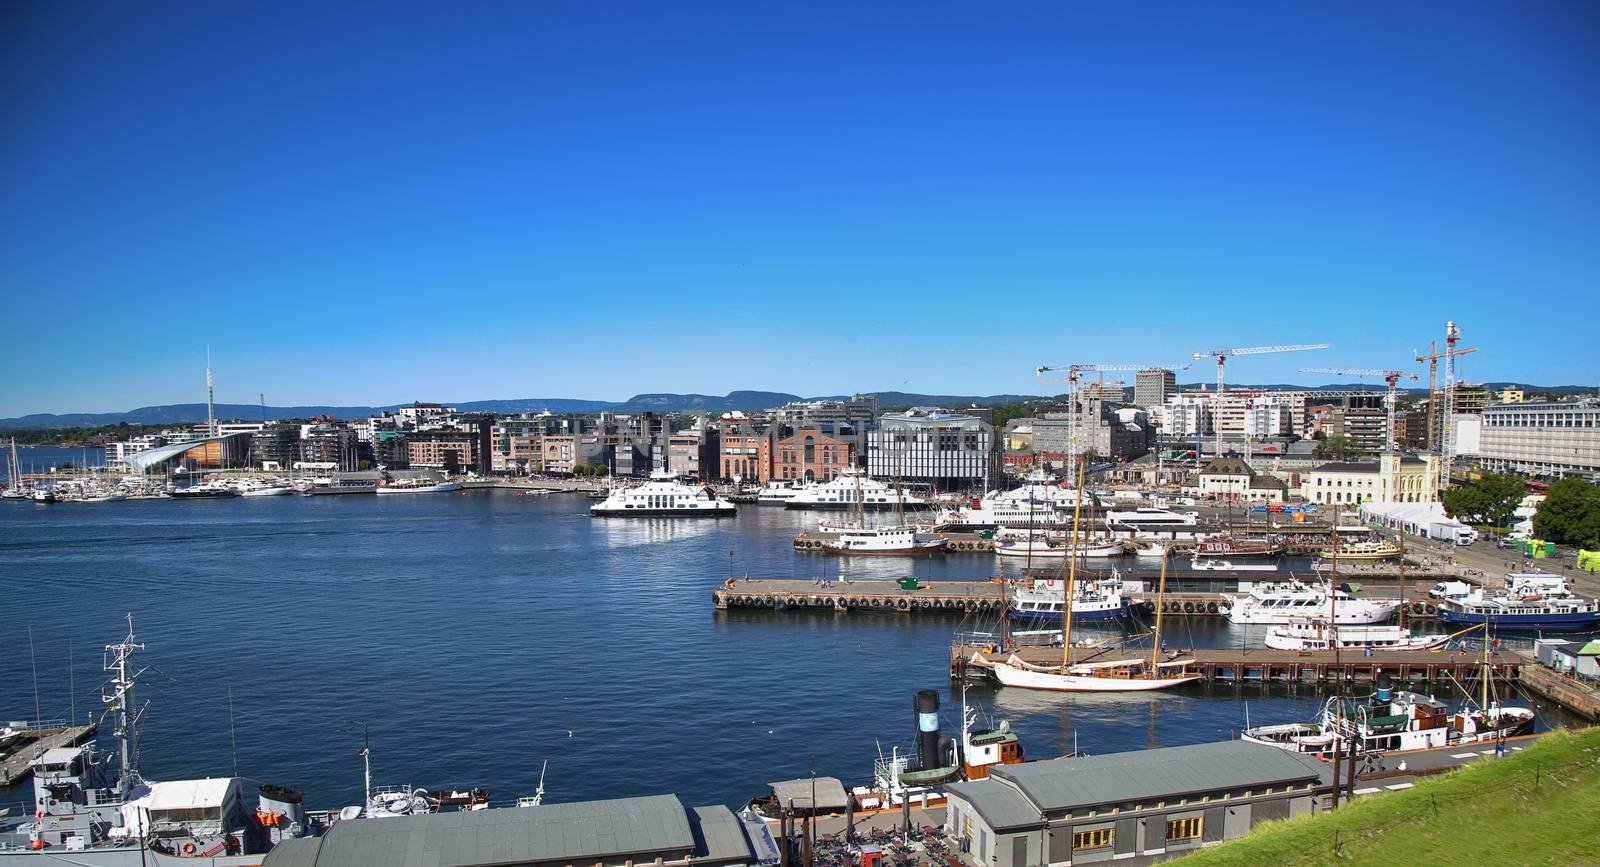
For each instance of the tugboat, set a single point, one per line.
(900, 778)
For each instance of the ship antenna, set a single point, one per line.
(232, 737)
(366, 759)
(121, 701)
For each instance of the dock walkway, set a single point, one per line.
(17, 764)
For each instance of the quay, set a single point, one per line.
(17, 765)
(1578, 696)
(915, 596)
(1242, 664)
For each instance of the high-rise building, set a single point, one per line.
(1153, 385)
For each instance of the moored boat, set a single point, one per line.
(1314, 634)
(902, 540)
(1530, 601)
(1286, 601)
(1370, 550)
(663, 496)
(854, 490)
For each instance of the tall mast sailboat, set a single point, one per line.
(1114, 675)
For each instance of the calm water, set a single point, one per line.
(482, 634)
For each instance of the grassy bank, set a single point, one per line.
(1532, 807)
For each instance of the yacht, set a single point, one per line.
(418, 486)
(1312, 633)
(778, 492)
(663, 496)
(1283, 602)
(854, 489)
(1393, 721)
(211, 490)
(1528, 601)
(1041, 547)
(1093, 601)
(1214, 565)
(898, 540)
(1041, 501)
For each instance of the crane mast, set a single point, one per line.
(1222, 356)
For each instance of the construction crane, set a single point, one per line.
(1222, 356)
(1392, 377)
(1074, 373)
(1432, 358)
(1446, 401)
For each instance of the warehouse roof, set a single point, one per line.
(830, 792)
(1001, 806)
(586, 831)
(1062, 784)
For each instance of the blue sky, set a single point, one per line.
(370, 203)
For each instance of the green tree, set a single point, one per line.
(1490, 500)
(1339, 448)
(1570, 513)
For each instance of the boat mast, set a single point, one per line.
(1402, 540)
(120, 700)
(1072, 577)
(1161, 595)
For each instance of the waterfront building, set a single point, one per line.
(651, 830)
(688, 452)
(327, 442)
(810, 454)
(117, 453)
(514, 444)
(743, 453)
(1392, 478)
(1131, 808)
(934, 446)
(275, 446)
(1230, 479)
(1153, 385)
(420, 416)
(445, 449)
(1549, 439)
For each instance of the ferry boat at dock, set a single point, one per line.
(1153, 521)
(1287, 601)
(664, 496)
(777, 492)
(1232, 548)
(1040, 547)
(1040, 600)
(1530, 601)
(854, 490)
(1369, 550)
(418, 486)
(1040, 502)
(902, 540)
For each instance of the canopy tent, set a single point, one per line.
(1427, 520)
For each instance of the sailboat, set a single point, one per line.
(1114, 675)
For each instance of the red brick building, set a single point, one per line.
(809, 456)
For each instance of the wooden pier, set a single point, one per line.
(17, 764)
(1259, 664)
(909, 596)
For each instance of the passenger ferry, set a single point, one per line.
(1040, 547)
(1094, 601)
(1230, 547)
(854, 489)
(1365, 551)
(662, 496)
(777, 492)
(1285, 602)
(1313, 634)
(1533, 601)
(899, 540)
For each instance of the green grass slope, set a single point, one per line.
(1533, 807)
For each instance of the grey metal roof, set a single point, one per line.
(1001, 806)
(583, 831)
(830, 793)
(1062, 784)
(719, 835)
(295, 852)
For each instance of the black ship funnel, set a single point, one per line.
(926, 705)
(1385, 687)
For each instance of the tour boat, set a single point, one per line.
(1364, 551)
(662, 496)
(1532, 601)
(777, 492)
(896, 540)
(1228, 546)
(418, 486)
(1148, 519)
(853, 490)
(1312, 633)
(1094, 601)
(1283, 602)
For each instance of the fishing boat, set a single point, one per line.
(1530, 601)
(663, 496)
(1040, 601)
(1287, 601)
(1313, 633)
(1370, 550)
(1128, 674)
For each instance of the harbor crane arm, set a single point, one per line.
(1392, 377)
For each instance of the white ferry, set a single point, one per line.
(1288, 601)
(854, 489)
(900, 540)
(778, 492)
(1313, 634)
(1041, 501)
(419, 486)
(1531, 601)
(662, 496)
(1369, 550)
(1039, 547)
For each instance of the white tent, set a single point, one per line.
(1427, 520)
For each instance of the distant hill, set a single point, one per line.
(745, 401)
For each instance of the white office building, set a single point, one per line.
(1547, 438)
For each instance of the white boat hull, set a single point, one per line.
(445, 488)
(1010, 675)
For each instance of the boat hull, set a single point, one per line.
(710, 512)
(1582, 621)
(448, 487)
(1009, 675)
(1129, 609)
(850, 507)
(919, 551)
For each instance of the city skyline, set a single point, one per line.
(594, 202)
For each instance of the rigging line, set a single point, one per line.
(34, 660)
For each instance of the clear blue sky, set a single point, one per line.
(369, 203)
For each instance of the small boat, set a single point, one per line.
(1364, 551)
(1095, 601)
(1313, 634)
(1200, 565)
(1228, 546)
(1534, 601)
(43, 495)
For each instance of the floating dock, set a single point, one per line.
(17, 764)
(1237, 665)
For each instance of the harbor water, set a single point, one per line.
(479, 635)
